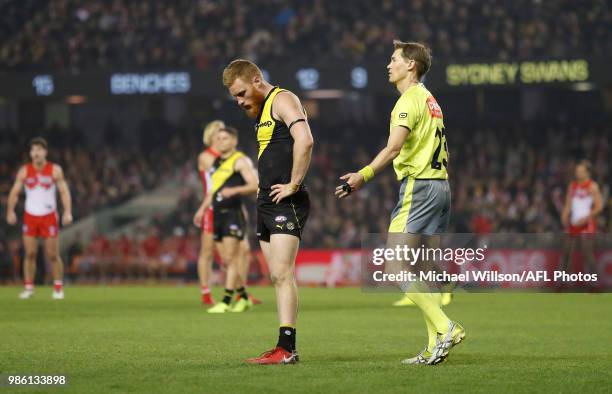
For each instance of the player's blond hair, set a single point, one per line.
(240, 68)
(210, 129)
(416, 51)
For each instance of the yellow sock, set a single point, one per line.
(430, 305)
(431, 334)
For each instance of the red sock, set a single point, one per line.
(57, 285)
(206, 296)
(29, 285)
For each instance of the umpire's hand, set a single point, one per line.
(352, 181)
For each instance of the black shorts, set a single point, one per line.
(228, 223)
(287, 217)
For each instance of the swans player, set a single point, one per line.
(582, 205)
(41, 179)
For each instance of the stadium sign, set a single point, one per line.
(150, 83)
(370, 78)
(43, 85)
(527, 72)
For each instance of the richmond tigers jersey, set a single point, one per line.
(224, 175)
(275, 157)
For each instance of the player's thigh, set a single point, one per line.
(245, 246)
(30, 246)
(219, 247)
(401, 242)
(283, 251)
(206, 243)
(429, 212)
(587, 244)
(432, 247)
(230, 247)
(51, 245)
(265, 249)
(568, 244)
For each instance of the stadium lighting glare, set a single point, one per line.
(324, 94)
(583, 86)
(75, 100)
(43, 85)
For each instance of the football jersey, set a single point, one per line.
(275, 157)
(40, 190)
(424, 154)
(225, 175)
(581, 201)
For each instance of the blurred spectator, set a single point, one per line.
(7, 274)
(508, 178)
(75, 254)
(91, 34)
(150, 251)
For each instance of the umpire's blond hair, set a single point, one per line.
(210, 129)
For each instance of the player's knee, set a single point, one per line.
(274, 279)
(30, 255)
(53, 258)
(281, 276)
(230, 256)
(206, 255)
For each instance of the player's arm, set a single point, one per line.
(11, 217)
(288, 108)
(62, 187)
(197, 218)
(597, 207)
(245, 167)
(204, 163)
(394, 145)
(566, 208)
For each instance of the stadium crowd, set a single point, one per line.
(510, 180)
(76, 35)
(99, 176)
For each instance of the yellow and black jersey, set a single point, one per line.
(275, 158)
(225, 175)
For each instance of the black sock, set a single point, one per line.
(227, 297)
(243, 294)
(286, 338)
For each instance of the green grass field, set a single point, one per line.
(159, 339)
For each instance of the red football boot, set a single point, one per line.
(278, 355)
(207, 299)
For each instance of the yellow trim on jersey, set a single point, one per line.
(225, 171)
(294, 212)
(266, 125)
(423, 154)
(398, 223)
